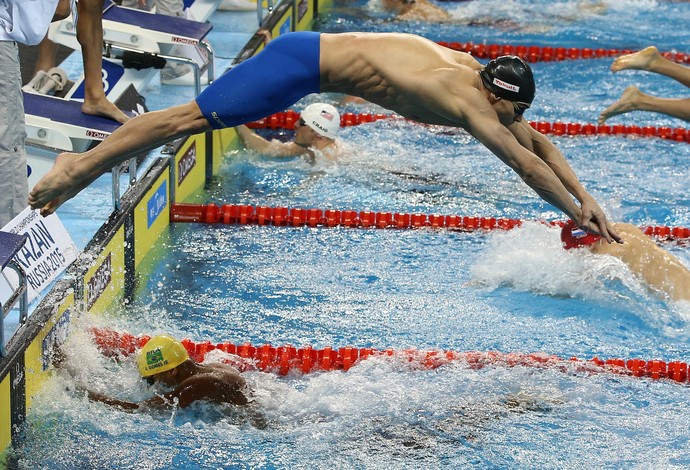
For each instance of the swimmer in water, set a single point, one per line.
(662, 271)
(633, 99)
(164, 360)
(408, 74)
(416, 10)
(315, 133)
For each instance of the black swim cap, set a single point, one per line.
(509, 77)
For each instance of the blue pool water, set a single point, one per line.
(514, 291)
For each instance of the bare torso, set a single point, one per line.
(408, 74)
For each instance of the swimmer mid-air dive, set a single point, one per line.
(405, 73)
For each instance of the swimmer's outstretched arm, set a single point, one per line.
(273, 148)
(204, 387)
(592, 216)
(533, 171)
(102, 398)
(73, 172)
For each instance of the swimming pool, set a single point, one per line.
(505, 291)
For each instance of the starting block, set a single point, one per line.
(143, 32)
(54, 125)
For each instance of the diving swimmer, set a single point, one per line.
(408, 74)
(662, 271)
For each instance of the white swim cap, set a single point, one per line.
(323, 118)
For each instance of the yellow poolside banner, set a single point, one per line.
(189, 167)
(224, 140)
(284, 24)
(151, 217)
(105, 279)
(304, 14)
(5, 415)
(39, 353)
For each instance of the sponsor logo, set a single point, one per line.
(18, 376)
(302, 9)
(41, 257)
(184, 40)
(215, 117)
(158, 202)
(186, 163)
(506, 85)
(96, 134)
(99, 281)
(47, 251)
(56, 336)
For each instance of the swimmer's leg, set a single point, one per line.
(633, 99)
(650, 60)
(90, 37)
(73, 172)
(271, 81)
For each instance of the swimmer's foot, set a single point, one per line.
(104, 108)
(58, 185)
(626, 103)
(640, 60)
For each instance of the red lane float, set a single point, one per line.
(297, 216)
(548, 53)
(287, 119)
(285, 359)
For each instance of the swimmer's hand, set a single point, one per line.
(593, 219)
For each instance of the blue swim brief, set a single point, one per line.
(271, 81)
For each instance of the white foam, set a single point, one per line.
(532, 259)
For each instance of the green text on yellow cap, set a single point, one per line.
(161, 354)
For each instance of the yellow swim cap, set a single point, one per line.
(160, 354)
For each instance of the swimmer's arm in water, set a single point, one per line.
(156, 402)
(205, 387)
(592, 216)
(102, 398)
(273, 148)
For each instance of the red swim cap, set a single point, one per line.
(573, 236)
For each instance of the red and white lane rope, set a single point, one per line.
(233, 214)
(287, 120)
(285, 359)
(548, 53)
